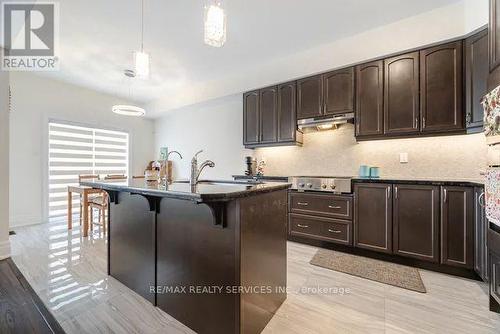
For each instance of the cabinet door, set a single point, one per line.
(369, 99)
(494, 260)
(401, 102)
(476, 78)
(441, 88)
(287, 112)
(494, 34)
(480, 235)
(416, 222)
(251, 119)
(310, 97)
(373, 216)
(457, 226)
(268, 98)
(339, 91)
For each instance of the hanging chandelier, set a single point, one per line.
(127, 109)
(215, 24)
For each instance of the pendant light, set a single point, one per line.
(126, 109)
(142, 60)
(215, 24)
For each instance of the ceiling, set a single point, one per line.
(98, 37)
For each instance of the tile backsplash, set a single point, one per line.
(337, 153)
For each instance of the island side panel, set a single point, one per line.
(132, 244)
(192, 251)
(263, 257)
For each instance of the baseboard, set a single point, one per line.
(4, 249)
(18, 221)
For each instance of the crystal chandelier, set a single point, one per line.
(215, 24)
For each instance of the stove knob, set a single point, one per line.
(323, 186)
(332, 186)
(301, 185)
(310, 185)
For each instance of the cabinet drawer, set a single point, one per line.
(328, 229)
(335, 206)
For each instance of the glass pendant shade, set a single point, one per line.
(215, 24)
(142, 64)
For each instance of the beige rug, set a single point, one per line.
(375, 270)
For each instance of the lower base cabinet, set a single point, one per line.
(373, 216)
(320, 228)
(416, 222)
(494, 266)
(457, 226)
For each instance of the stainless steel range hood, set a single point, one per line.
(319, 124)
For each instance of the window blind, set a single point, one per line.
(76, 150)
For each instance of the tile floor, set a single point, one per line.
(69, 274)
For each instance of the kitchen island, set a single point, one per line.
(212, 256)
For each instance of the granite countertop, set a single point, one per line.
(263, 177)
(425, 181)
(205, 191)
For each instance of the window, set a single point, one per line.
(76, 150)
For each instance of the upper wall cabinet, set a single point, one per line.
(401, 100)
(369, 99)
(441, 88)
(269, 117)
(310, 97)
(476, 77)
(251, 118)
(494, 44)
(339, 91)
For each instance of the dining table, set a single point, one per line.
(84, 193)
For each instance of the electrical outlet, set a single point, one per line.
(403, 158)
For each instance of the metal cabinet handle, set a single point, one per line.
(334, 207)
(445, 192)
(303, 203)
(423, 122)
(396, 192)
(481, 200)
(303, 226)
(388, 192)
(334, 231)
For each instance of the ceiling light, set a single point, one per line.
(215, 24)
(141, 58)
(128, 110)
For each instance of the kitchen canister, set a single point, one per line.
(364, 171)
(374, 172)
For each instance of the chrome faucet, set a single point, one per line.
(167, 177)
(195, 171)
(180, 155)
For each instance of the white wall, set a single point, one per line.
(36, 100)
(4, 164)
(215, 127)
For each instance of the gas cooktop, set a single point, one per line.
(333, 184)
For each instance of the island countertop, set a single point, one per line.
(205, 191)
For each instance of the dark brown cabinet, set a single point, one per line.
(494, 266)
(373, 216)
(441, 88)
(401, 95)
(369, 99)
(268, 100)
(310, 97)
(251, 118)
(287, 112)
(480, 235)
(457, 226)
(416, 221)
(339, 91)
(476, 78)
(494, 35)
(269, 117)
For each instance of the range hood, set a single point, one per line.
(319, 124)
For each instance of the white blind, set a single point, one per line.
(75, 150)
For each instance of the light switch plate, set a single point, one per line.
(403, 158)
